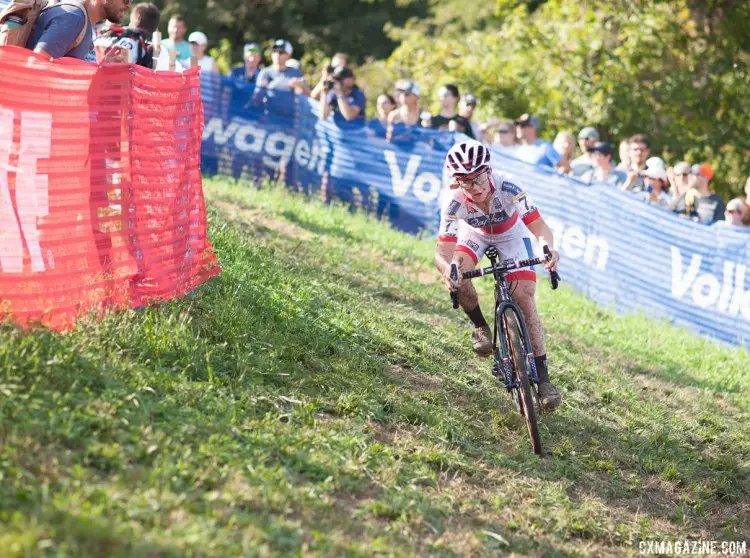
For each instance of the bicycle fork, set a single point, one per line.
(501, 368)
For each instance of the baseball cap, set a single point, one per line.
(408, 86)
(342, 72)
(704, 169)
(588, 132)
(736, 204)
(656, 172)
(283, 45)
(656, 162)
(602, 147)
(469, 99)
(529, 120)
(682, 168)
(251, 47)
(198, 37)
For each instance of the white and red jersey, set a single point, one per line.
(508, 204)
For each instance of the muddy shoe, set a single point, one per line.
(550, 397)
(481, 341)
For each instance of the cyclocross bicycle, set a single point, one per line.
(514, 360)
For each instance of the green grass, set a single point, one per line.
(319, 397)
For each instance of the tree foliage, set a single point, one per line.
(676, 70)
(315, 27)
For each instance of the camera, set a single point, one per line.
(329, 84)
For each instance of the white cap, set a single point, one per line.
(283, 44)
(657, 173)
(198, 37)
(656, 163)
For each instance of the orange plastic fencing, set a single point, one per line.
(101, 199)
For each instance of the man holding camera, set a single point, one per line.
(344, 99)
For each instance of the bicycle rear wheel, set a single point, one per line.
(518, 352)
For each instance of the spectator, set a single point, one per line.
(198, 45)
(449, 119)
(177, 29)
(699, 203)
(679, 178)
(624, 153)
(657, 182)
(67, 30)
(339, 60)
(565, 145)
(135, 38)
(385, 104)
(344, 99)
(736, 213)
(407, 94)
(279, 76)
(639, 152)
(746, 220)
(408, 112)
(587, 137)
(466, 108)
(249, 71)
(532, 149)
(604, 170)
(505, 136)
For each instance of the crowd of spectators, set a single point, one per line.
(683, 189)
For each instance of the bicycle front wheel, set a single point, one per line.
(518, 352)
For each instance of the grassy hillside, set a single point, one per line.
(320, 398)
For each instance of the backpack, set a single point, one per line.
(18, 18)
(130, 38)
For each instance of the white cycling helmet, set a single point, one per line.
(467, 157)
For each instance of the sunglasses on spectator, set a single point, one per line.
(504, 131)
(733, 211)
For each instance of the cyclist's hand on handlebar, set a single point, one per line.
(453, 284)
(551, 265)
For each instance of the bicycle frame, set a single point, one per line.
(503, 302)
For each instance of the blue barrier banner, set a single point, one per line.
(629, 255)
(253, 133)
(615, 248)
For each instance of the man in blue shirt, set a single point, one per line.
(532, 149)
(66, 29)
(344, 99)
(280, 76)
(250, 70)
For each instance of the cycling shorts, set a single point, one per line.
(515, 244)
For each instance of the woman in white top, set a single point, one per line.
(198, 45)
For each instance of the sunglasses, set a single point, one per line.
(683, 174)
(472, 183)
(733, 211)
(503, 131)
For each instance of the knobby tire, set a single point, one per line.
(518, 354)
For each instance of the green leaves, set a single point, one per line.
(675, 70)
